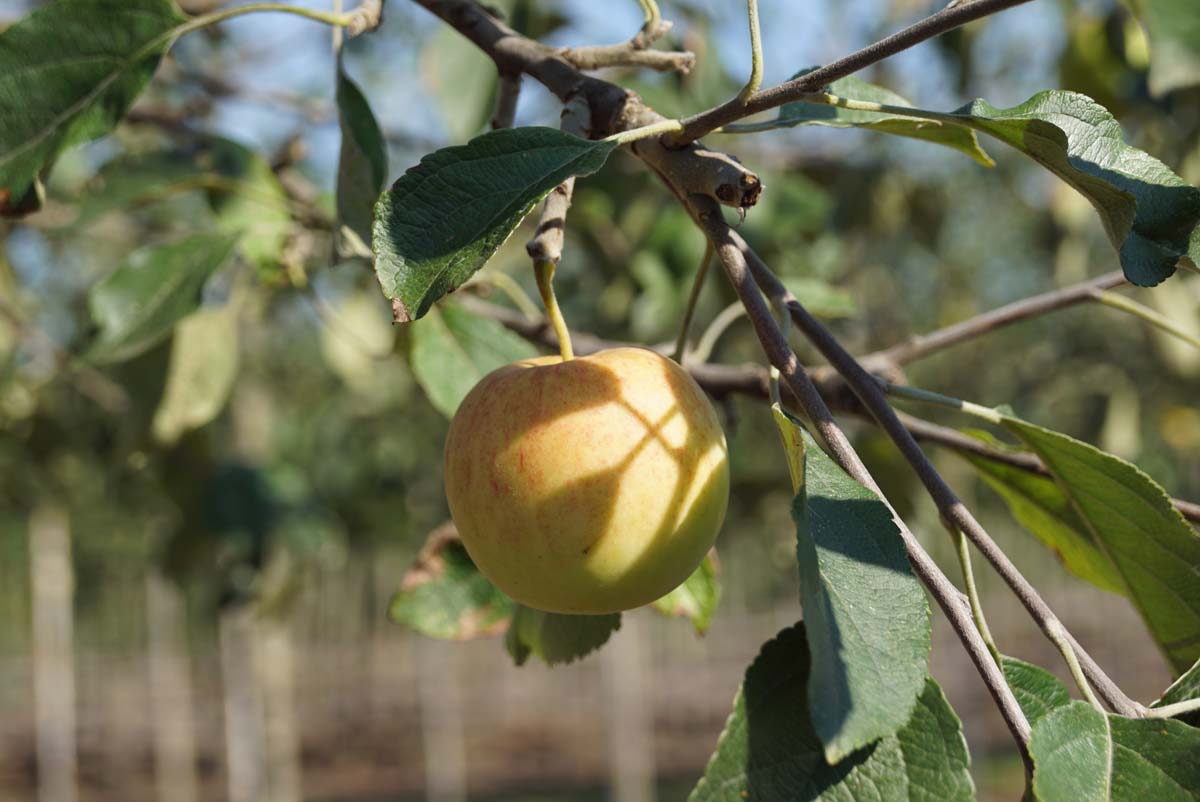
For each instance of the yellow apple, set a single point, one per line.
(592, 485)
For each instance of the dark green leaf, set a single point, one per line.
(453, 349)
(865, 614)
(557, 638)
(68, 73)
(1149, 213)
(954, 136)
(1082, 755)
(696, 599)
(362, 159)
(1037, 690)
(1152, 547)
(203, 368)
(1173, 27)
(769, 751)
(142, 300)
(443, 219)
(1041, 506)
(444, 595)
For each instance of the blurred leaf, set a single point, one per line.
(203, 368)
(461, 80)
(453, 349)
(249, 200)
(1173, 27)
(1082, 755)
(822, 298)
(696, 599)
(68, 73)
(362, 159)
(1148, 212)
(791, 431)
(1038, 692)
(443, 219)
(1131, 517)
(141, 301)
(1041, 506)
(865, 614)
(958, 137)
(443, 595)
(1185, 688)
(769, 751)
(557, 638)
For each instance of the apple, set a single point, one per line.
(590, 485)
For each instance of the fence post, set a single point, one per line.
(170, 690)
(631, 718)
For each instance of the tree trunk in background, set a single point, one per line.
(631, 719)
(245, 747)
(168, 658)
(276, 675)
(440, 697)
(53, 586)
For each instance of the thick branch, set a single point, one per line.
(780, 354)
(949, 18)
(596, 57)
(948, 503)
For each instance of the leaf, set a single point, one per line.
(202, 372)
(822, 298)
(443, 219)
(953, 136)
(865, 614)
(141, 301)
(697, 598)
(1185, 688)
(443, 595)
(249, 200)
(1044, 509)
(68, 73)
(1038, 692)
(1148, 541)
(453, 349)
(557, 638)
(1173, 27)
(362, 159)
(1148, 212)
(1082, 755)
(769, 751)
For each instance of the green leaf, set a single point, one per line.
(769, 751)
(1082, 755)
(68, 73)
(142, 300)
(453, 349)
(362, 159)
(248, 200)
(696, 599)
(443, 594)
(443, 219)
(1038, 692)
(1148, 212)
(1040, 505)
(1173, 27)
(954, 136)
(865, 614)
(1183, 689)
(1148, 541)
(822, 298)
(557, 638)
(202, 372)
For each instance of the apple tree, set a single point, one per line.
(841, 705)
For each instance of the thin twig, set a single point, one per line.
(1033, 306)
(936, 24)
(508, 92)
(781, 356)
(756, 54)
(1154, 318)
(867, 388)
(689, 311)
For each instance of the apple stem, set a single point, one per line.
(544, 271)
